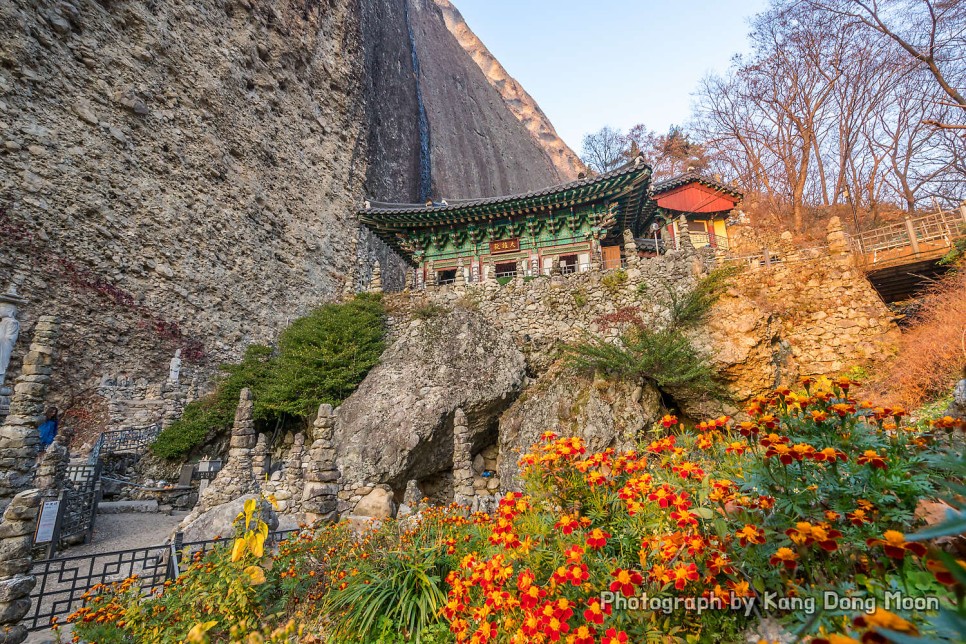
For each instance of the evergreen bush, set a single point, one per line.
(321, 358)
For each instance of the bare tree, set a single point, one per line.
(604, 150)
(932, 33)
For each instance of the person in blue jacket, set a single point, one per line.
(48, 429)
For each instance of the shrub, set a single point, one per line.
(663, 356)
(321, 358)
(613, 281)
(215, 412)
(429, 311)
(932, 353)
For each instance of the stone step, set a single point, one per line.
(124, 507)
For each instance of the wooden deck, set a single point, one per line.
(912, 241)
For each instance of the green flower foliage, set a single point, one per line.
(321, 358)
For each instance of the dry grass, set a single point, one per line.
(932, 353)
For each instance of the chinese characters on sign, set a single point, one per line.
(504, 246)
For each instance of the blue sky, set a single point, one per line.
(611, 62)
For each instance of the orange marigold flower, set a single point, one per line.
(597, 538)
(548, 436)
(828, 455)
(819, 416)
(750, 534)
(882, 618)
(669, 421)
(895, 545)
(872, 458)
(858, 517)
(625, 581)
(786, 557)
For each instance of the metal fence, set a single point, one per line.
(63, 581)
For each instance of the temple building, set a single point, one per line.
(573, 227)
(705, 203)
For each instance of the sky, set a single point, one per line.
(611, 62)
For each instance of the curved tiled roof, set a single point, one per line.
(693, 177)
(599, 181)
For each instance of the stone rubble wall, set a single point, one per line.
(16, 582)
(19, 439)
(133, 403)
(545, 311)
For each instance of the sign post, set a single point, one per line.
(48, 524)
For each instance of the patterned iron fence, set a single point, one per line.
(62, 582)
(81, 494)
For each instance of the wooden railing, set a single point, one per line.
(922, 238)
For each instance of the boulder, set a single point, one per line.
(604, 413)
(378, 504)
(957, 406)
(219, 520)
(398, 425)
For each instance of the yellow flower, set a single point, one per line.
(197, 632)
(256, 575)
(238, 550)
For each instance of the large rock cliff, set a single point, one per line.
(183, 174)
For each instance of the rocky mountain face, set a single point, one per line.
(184, 174)
(566, 162)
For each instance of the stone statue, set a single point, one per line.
(174, 371)
(9, 327)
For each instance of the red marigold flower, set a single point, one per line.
(688, 470)
(613, 636)
(575, 553)
(942, 573)
(784, 453)
(786, 557)
(748, 429)
(567, 524)
(669, 421)
(750, 534)
(583, 634)
(597, 538)
(595, 613)
(664, 496)
(684, 573)
(774, 439)
(595, 478)
(895, 545)
(736, 447)
(548, 436)
(625, 581)
(684, 518)
(872, 458)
